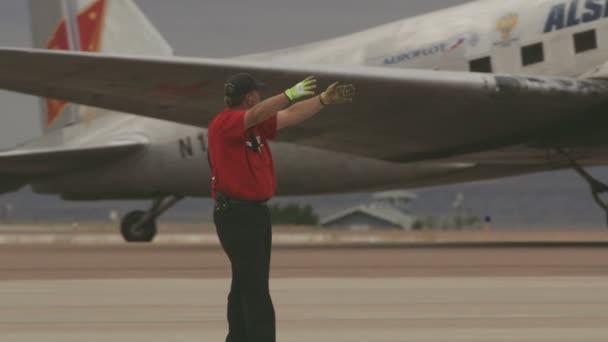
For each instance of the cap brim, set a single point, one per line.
(261, 86)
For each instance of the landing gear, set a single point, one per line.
(133, 232)
(597, 187)
(140, 226)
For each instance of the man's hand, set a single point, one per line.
(302, 89)
(337, 94)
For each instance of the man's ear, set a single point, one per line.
(249, 98)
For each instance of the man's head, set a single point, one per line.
(242, 91)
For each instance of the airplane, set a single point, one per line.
(479, 91)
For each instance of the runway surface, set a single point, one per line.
(154, 261)
(178, 293)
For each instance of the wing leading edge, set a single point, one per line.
(398, 115)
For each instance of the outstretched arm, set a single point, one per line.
(264, 110)
(335, 94)
(267, 108)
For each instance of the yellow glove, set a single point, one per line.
(338, 93)
(302, 89)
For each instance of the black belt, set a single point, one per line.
(245, 202)
(221, 199)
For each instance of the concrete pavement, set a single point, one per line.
(314, 309)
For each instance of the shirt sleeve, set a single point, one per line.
(268, 128)
(233, 126)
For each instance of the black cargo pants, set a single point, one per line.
(245, 233)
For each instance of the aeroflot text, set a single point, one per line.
(429, 51)
(414, 54)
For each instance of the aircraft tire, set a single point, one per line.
(144, 234)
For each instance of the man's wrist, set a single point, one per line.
(288, 98)
(321, 100)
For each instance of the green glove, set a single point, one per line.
(302, 89)
(338, 93)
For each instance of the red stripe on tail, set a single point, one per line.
(90, 22)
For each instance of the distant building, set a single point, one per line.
(388, 210)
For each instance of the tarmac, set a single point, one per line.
(174, 292)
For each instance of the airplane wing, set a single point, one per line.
(18, 167)
(398, 115)
(31, 162)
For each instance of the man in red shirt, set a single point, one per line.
(243, 180)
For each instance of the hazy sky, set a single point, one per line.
(215, 28)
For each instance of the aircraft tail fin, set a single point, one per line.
(118, 27)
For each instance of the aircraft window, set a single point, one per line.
(481, 65)
(532, 54)
(585, 41)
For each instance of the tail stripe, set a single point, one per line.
(88, 27)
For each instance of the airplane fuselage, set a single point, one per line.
(501, 33)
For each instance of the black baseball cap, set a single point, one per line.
(241, 84)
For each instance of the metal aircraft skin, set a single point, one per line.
(421, 116)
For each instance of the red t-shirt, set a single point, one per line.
(242, 165)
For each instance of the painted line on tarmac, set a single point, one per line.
(295, 240)
(291, 239)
